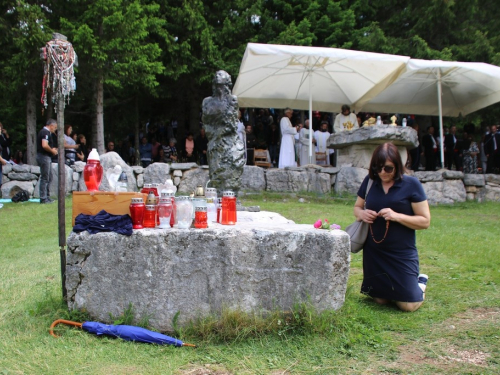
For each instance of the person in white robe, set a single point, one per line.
(242, 133)
(321, 136)
(304, 142)
(287, 149)
(345, 120)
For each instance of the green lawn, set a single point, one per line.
(455, 332)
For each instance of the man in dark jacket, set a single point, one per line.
(429, 144)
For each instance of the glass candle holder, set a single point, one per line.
(150, 216)
(146, 188)
(170, 195)
(92, 175)
(164, 212)
(211, 211)
(228, 215)
(200, 217)
(184, 212)
(137, 209)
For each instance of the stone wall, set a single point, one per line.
(441, 187)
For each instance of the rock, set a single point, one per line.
(471, 196)
(54, 184)
(333, 179)
(137, 169)
(434, 192)
(108, 161)
(177, 173)
(74, 186)
(295, 181)
(495, 178)
(183, 166)
(484, 194)
(23, 168)
(22, 176)
(474, 179)
(6, 169)
(35, 169)
(330, 170)
(302, 200)
(453, 175)
(79, 166)
(349, 180)
(156, 173)
(253, 178)
(191, 179)
(471, 189)
(11, 188)
(263, 263)
(297, 169)
(400, 136)
(455, 190)
(76, 176)
(140, 180)
(177, 181)
(426, 176)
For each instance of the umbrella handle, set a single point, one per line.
(191, 345)
(59, 321)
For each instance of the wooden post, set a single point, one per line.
(61, 202)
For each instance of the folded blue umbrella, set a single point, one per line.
(128, 333)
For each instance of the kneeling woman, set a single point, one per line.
(396, 206)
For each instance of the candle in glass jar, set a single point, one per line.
(150, 216)
(137, 209)
(200, 217)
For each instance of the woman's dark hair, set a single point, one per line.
(384, 152)
(66, 127)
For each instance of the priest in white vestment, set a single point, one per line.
(321, 136)
(304, 141)
(345, 120)
(287, 149)
(242, 133)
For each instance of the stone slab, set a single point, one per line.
(374, 135)
(263, 263)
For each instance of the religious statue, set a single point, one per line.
(393, 119)
(226, 156)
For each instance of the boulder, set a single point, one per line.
(177, 173)
(137, 169)
(295, 181)
(156, 173)
(76, 176)
(263, 264)
(425, 176)
(349, 180)
(495, 178)
(54, 184)
(108, 161)
(7, 168)
(191, 179)
(22, 176)
(35, 169)
(434, 192)
(375, 135)
(79, 166)
(488, 193)
(455, 190)
(453, 175)
(330, 170)
(140, 180)
(183, 166)
(11, 188)
(253, 178)
(474, 179)
(21, 168)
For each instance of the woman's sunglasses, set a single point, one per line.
(386, 168)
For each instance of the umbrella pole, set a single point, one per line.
(310, 118)
(440, 108)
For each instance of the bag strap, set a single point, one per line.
(368, 187)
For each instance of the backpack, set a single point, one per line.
(21, 196)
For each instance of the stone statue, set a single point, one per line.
(226, 156)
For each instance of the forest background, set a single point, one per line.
(142, 60)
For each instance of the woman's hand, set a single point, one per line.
(368, 216)
(388, 214)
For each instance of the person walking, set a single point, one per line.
(45, 151)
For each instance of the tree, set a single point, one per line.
(111, 39)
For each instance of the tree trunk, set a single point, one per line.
(31, 117)
(136, 132)
(98, 129)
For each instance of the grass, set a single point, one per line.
(455, 332)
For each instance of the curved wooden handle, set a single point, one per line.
(62, 321)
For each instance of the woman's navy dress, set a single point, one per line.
(391, 268)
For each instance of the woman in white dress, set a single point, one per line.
(287, 149)
(304, 141)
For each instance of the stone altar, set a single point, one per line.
(265, 262)
(357, 145)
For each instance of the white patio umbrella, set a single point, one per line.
(439, 88)
(279, 76)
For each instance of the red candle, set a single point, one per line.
(137, 209)
(200, 217)
(228, 208)
(150, 216)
